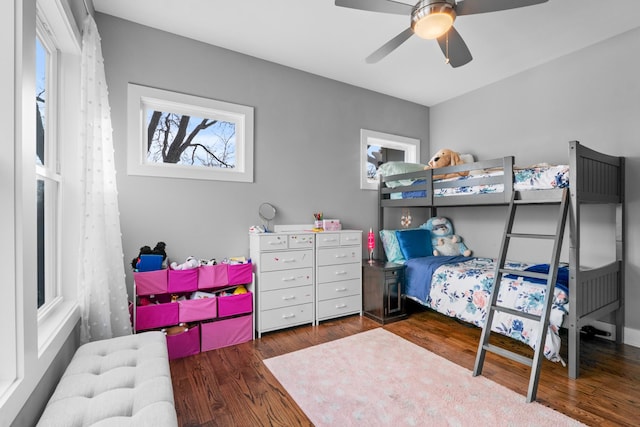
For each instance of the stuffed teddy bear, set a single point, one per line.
(444, 158)
(443, 240)
(190, 263)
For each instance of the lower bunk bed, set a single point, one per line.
(460, 287)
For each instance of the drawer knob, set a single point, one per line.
(341, 273)
(289, 260)
(341, 305)
(289, 297)
(341, 256)
(341, 289)
(288, 316)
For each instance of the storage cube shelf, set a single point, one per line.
(213, 322)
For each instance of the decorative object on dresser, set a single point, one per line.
(338, 274)
(383, 286)
(284, 278)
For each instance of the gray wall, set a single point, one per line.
(592, 96)
(307, 141)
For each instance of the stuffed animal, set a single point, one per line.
(443, 240)
(159, 249)
(190, 263)
(444, 158)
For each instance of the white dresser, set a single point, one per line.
(338, 274)
(284, 279)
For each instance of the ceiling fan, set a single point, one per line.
(433, 19)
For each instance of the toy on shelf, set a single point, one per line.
(150, 259)
(189, 264)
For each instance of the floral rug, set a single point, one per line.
(376, 378)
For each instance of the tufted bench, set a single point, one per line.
(122, 381)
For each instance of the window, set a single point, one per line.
(183, 136)
(48, 177)
(377, 148)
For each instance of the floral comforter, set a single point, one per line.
(543, 177)
(462, 290)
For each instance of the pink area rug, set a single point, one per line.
(376, 378)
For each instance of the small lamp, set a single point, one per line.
(371, 244)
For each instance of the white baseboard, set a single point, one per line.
(631, 336)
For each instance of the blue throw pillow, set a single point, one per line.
(415, 243)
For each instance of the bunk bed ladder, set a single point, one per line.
(536, 361)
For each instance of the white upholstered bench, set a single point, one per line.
(122, 381)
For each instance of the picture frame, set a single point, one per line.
(176, 135)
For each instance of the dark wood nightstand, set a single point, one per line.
(382, 287)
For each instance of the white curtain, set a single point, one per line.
(102, 292)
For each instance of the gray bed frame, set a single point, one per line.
(594, 178)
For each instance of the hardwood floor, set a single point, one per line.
(232, 387)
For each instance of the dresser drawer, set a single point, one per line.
(286, 297)
(339, 289)
(350, 239)
(269, 242)
(300, 241)
(335, 272)
(285, 279)
(327, 239)
(284, 317)
(285, 260)
(329, 256)
(339, 306)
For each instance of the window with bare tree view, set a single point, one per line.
(186, 140)
(177, 135)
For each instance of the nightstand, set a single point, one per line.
(383, 284)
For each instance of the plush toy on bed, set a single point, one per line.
(444, 158)
(443, 240)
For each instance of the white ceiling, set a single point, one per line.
(318, 37)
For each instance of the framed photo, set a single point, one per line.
(184, 136)
(377, 148)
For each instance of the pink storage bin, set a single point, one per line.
(224, 333)
(212, 276)
(183, 280)
(184, 344)
(150, 282)
(156, 316)
(231, 305)
(239, 274)
(194, 310)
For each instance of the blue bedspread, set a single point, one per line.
(420, 270)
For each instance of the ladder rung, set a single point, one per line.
(532, 236)
(524, 273)
(516, 312)
(536, 201)
(509, 354)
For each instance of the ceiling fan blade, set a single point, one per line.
(389, 46)
(384, 6)
(469, 7)
(458, 52)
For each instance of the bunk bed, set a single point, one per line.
(592, 178)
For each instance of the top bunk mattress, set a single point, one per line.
(537, 177)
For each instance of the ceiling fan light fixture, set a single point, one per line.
(432, 18)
